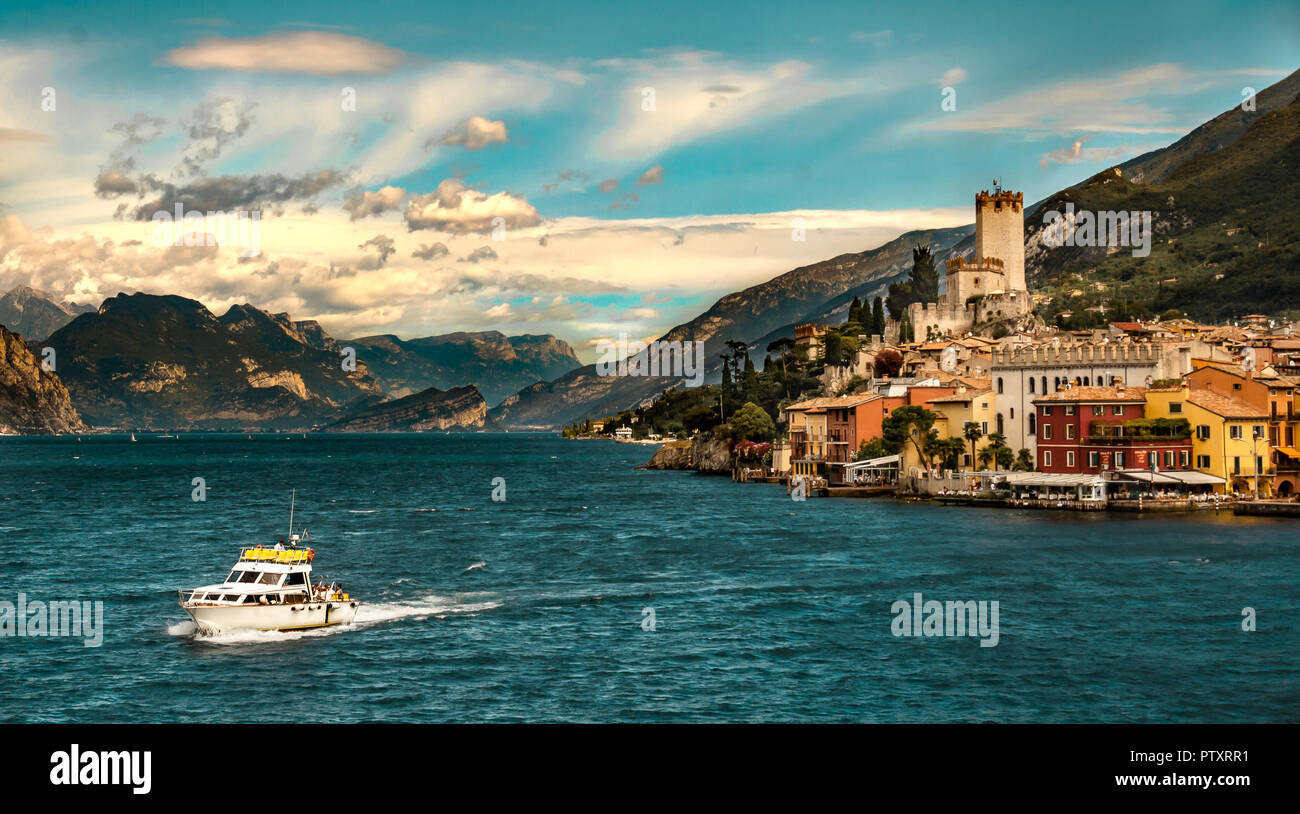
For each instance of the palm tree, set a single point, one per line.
(972, 432)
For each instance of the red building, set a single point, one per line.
(1094, 429)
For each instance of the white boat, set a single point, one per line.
(270, 588)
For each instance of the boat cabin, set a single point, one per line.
(262, 576)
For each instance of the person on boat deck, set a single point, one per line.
(279, 546)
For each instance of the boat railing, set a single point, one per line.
(288, 556)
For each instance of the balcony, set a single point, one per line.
(1139, 430)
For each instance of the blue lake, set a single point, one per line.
(764, 609)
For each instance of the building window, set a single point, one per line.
(1183, 455)
(999, 420)
(1031, 384)
(1094, 459)
(1169, 459)
(1069, 409)
(1236, 466)
(1044, 384)
(1119, 460)
(1202, 461)
(1069, 431)
(1175, 407)
(1047, 431)
(1032, 424)
(1047, 458)
(999, 385)
(1098, 409)
(1013, 413)
(1234, 432)
(1085, 381)
(1117, 409)
(1047, 409)
(1203, 432)
(984, 427)
(1069, 459)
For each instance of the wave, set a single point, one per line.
(477, 565)
(361, 511)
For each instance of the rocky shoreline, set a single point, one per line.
(711, 457)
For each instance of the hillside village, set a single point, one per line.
(992, 400)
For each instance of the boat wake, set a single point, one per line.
(368, 615)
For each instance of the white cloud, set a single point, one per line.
(1115, 104)
(321, 53)
(456, 208)
(475, 133)
(696, 96)
(952, 77)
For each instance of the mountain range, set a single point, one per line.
(35, 314)
(1227, 242)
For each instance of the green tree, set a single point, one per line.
(925, 279)
(833, 348)
(875, 448)
(752, 423)
(971, 432)
(912, 424)
(1024, 461)
(702, 418)
(877, 317)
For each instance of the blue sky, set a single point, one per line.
(828, 112)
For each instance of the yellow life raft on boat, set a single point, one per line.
(288, 556)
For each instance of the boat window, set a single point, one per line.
(296, 578)
(234, 577)
(249, 576)
(270, 579)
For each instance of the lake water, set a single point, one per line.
(763, 608)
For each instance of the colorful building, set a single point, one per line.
(1091, 430)
(1268, 393)
(1229, 436)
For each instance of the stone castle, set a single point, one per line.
(988, 286)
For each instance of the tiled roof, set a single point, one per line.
(830, 402)
(1224, 405)
(961, 398)
(1088, 394)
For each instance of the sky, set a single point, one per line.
(585, 169)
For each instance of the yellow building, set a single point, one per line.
(807, 438)
(965, 405)
(1229, 437)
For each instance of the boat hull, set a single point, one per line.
(303, 616)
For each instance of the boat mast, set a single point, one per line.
(292, 495)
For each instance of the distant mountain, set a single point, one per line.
(165, 361)
(1227, 239)
(32, 400)
(460, 409)
(755, 316)
(497, 364)
(1220, 132)
(35, 314)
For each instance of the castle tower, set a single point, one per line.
(1000, 233)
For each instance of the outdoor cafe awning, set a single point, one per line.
(874, 463)
(1290, 452)
(1058, 479)
(1184, 477)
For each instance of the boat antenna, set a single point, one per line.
(292, 495)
